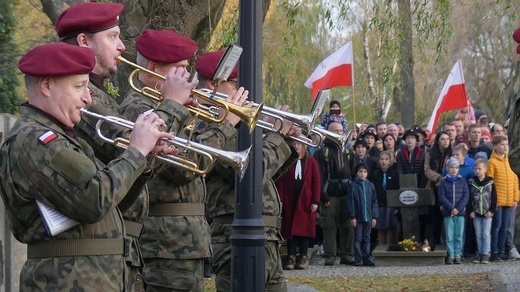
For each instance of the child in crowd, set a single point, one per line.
(506, 183)
(460, 151)
(483, 198)
(453, 197)
(363, 212)
(465, 162)
(385, 177)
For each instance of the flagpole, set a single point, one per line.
(354, 106)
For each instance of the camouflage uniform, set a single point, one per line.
(64, 173)
(173, 244)
(134, 211)
(277, 157)
(513, 132)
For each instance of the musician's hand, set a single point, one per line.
(238, 98)
(146, 133)
(294, 131)
(176, 86)
(165, 148)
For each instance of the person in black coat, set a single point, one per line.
(384, 178)
(410, 160)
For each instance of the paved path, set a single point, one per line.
(505, 276)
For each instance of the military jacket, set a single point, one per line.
(277, 157)
(39, 161)
(171, 237)
(135, 206)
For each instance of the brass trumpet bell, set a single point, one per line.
(248, 115)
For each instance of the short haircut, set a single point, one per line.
(31, 80)
(497, 139)
(461, 148)
(379, 124)
(74, 40)
(480, 161)
(472, 126)
(493, 127)
(450, 124)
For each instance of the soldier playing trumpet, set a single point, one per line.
(44, 160)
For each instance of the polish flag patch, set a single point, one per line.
(90, 91)
(47, 137)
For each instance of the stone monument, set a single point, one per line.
(408, 198)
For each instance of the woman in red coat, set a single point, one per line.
(300, 192)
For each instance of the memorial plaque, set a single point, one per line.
(408, 198)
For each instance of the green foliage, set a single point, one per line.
(112, 90)
(292, 48)
(228, 35)
(9, 99)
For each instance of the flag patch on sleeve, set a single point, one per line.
(47, 137)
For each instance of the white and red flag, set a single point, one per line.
(335, 70)
(453, 96)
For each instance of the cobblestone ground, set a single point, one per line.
(505, 275)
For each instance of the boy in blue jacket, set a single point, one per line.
(453, 197)
(363, 212)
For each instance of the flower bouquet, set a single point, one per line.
(412, 245)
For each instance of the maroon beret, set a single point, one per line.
(165, 46)
(57, 59)
(88, 17)
(206, 64)
(516, 37)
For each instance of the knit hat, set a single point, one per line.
(333, 102)
(453, 161)
(479, 113)
(361, 165)
(481, 155)
(485, 132)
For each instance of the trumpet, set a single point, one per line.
(339, 139)
(303, 121)
(237, 160)
(248, 115)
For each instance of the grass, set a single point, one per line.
(471, 282)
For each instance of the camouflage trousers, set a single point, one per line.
(173, 275)
(134, 279)
(517, 228)
(221, 261)
(332, 219)
(134, 265)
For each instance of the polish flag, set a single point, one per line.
(335, 70)
(453, 96)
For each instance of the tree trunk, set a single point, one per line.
(407, 91)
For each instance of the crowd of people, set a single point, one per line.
(464, 164)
